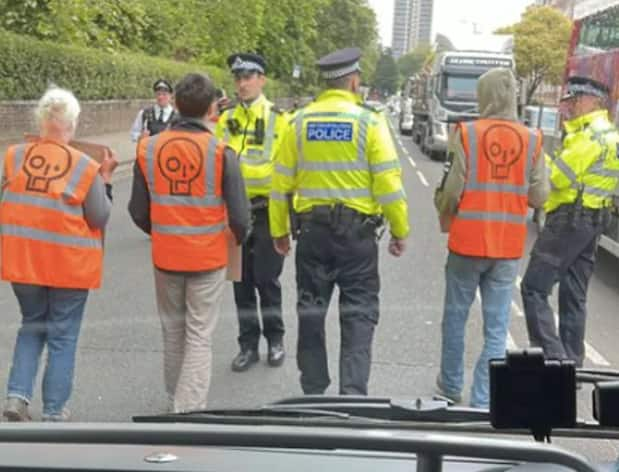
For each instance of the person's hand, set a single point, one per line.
(108, 166)
(145, 134)
(282, 245)
(397, 246)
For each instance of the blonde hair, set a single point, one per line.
(58, 105)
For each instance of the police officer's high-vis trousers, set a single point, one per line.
(324, 259)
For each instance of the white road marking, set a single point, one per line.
(410, 159)
(516, 309)
(422, 178)
(592, 354)
(510, 343)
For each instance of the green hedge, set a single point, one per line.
(28, 66)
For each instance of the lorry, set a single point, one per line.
(594, 51)
(446, 92)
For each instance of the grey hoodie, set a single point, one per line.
(496, 94)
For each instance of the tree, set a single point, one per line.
(412, 63)
(386, 76)
(541, 41)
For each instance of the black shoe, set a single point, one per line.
(244, 360)
(276, 354)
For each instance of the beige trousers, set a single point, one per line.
(189, 306)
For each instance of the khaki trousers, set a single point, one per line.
(189, 306)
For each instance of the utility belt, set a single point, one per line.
(259, 203)
(342, 219)
(577, 212)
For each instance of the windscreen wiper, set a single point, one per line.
(208, 416)
(340, 408)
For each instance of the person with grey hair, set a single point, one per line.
(54, 204)
(495, 171)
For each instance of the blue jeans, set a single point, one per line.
(495, 279)
(52, 317)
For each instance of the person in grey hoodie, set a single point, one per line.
(495, 171)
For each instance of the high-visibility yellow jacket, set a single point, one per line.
(587, 162)
(237, 126)
(336, 150)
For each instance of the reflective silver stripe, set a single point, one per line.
(299, 129)
(49, 237)
(209, 180)
(531, 155)
(18, 158)
(177, 200)
(362, 137)
(332, 165)
(76, 177)
(150, 162)
(567, 170)
(258, 182)
(281, 169)
(189, 230)
(501, 188)
(598, 169)
(611, 173)
(275, 195)
(226, 134)
(598, 192)
(268, 139)
(248, 161)
(332, 114)
(42, 202)
(383, 166)
(491, 216)
(335, 192)
(391, 197)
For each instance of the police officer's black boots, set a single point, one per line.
(276, 354)
(245, 359)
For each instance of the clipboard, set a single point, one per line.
(98, 152)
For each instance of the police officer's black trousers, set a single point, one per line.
(324, 259)
(262, 267)
(565, 253)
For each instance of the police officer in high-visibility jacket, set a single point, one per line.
(338, 162)
(253, 129)
(494, 173)
(583, 178)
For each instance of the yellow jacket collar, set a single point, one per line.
(339, 94)
(256, 104)
(583, 121)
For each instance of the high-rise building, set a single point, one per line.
(412, 25)
(421, 28)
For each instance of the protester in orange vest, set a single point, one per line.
(186, 186)
(495, 171)
(54, 203)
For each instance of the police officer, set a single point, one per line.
(253, 128)
(154, 119)
(583, 177)
(338, 159)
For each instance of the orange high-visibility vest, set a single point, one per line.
(491, 218)
(45, 237)
(184, 172)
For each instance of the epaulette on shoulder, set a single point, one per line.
(277, 109)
